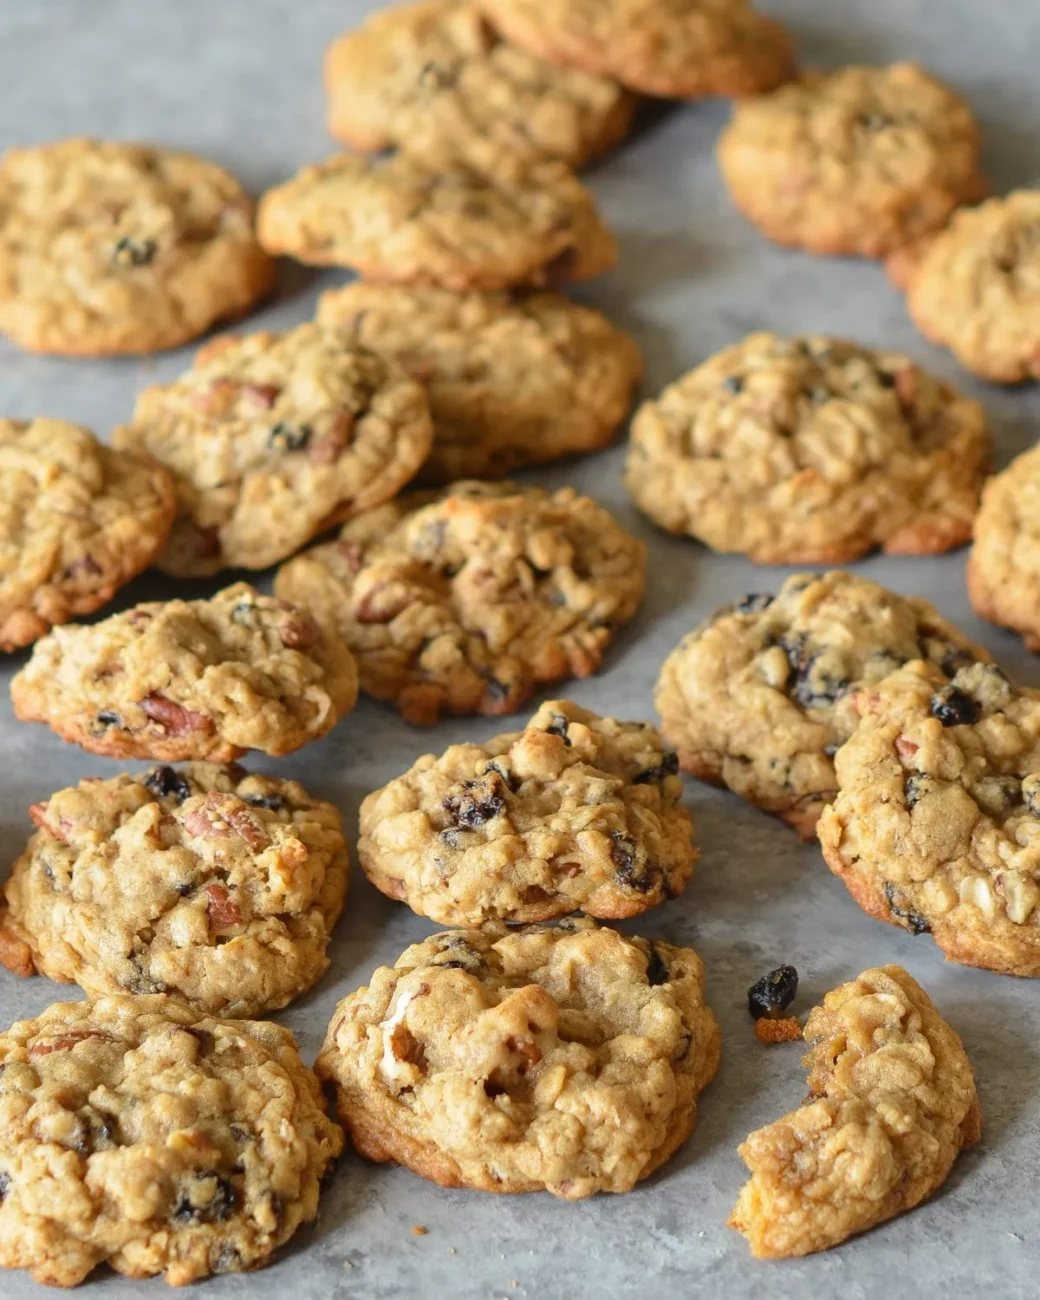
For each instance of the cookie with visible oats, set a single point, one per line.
(1004, 566)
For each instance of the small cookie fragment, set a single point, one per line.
(761, 695)
(859, 161)
(273, 438)
(199, 679)
(574, 812)
(975, 288)
(810, 450)
(490, 1058)
(138, 1133)
(109, 247)
(405, 220)
(892, 1103)
(77, 522)
(433, 79)
(1003, 572)
(237, 882)
(779, 1029)
(467, 600)
(512, 379)
(674, 49)
(936, 823)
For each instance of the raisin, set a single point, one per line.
(1031, 794)
(773, 993)
(228, 1261)
(954, 707)
(754, 603)
(831, 748)
(507, 777)
(668, 766)
(733, 384)
(167, 783)
(656, 970)
(912, 921)
(108, 718)
(272, 802)
(134, 252)
(184, 888)
(954, 659)
(912, 790)
(286, 437)
(558, 727)
(220, 1206)
(477, 803)
(5, 1184)
(626, 864)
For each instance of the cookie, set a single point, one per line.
(1004, 566)
(975, 288)
(137, 1133)
(467, 601)
(273, 438)
(77, 521)
(936, 823)
(405, 220)
(109, 247)
(512, 380)
(858, 161)
(810, 450)
(675, 49)
(891, 1105)
(432, 78)
(760, 697)
(566, 1060)
(575, 812)
(237, 883)
(191, 679)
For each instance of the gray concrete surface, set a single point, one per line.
(239, 79)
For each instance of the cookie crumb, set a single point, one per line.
(783, 1030)
(419, 1231)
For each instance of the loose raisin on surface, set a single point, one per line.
(167, 783)
(954, 707)
(558, 727)
(668, 766)
(626, 864)
(755, 602)
(911, 920)
(656, 970)
(773, 993)
(288, 437)
(272, 802)
(476, 803)
(219, 1207)
(108, 718)
(130, 251)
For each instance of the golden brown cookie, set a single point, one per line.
(466, 601)
(810, 450)
(77, 522)
(272, 439)
(891, 1105)
(563, 1059)
(110, 247)
(1004, 566)
(199, 679)
(512, 380)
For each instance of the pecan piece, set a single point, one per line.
(222, 908)
(324, 450)
(175, 719)
(299, 632)
(65, 1042)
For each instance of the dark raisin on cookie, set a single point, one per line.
(220, 1206)
(911, 920)
(656, 970)
(558, 727)
(167, 783)
(773, 993)
(272, 802)
(627, 867)
(5, 1184)
(134, 252)
(954, 707)
(108, 718)
(754, 603)
(668, 766)
(733, 384)
(507, 778)
(286, 437)
(476, 803)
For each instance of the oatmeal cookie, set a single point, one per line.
(761, 695)
(562, 1059)
(512, 380)
(198, 679)
(206, 883)
(574, 812)
(936, 823)
(136, 1132)
(891, 1105)
(810, 451)
(858, 161)
(273, 438)
(467, 601)
(976, 288)
(433, 79)
(404, 220)
(77, 522)
(109, 247)
(675, 49)
(1004, 565)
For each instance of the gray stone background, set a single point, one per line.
(239, 80)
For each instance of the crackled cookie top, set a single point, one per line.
(406, 220)
(272, 438)
(574, 812)
(976, 288)
(857, 161)
(432, 78)
(138, 1133)
(108, 247)
(567, 1059)
(198, 679)
(77, 521)
(1004, 566)
(677, 49)
(810, 450)
(236, 882)
(464, 602)
(762, 694)
(936, 823)
(891, 1104)
(511, 380)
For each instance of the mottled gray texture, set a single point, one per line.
(239, 79)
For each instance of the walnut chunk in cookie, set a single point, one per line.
(574, 812)
(1003, 573)
(490, 1058)
(810, 450)
(199, 679)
